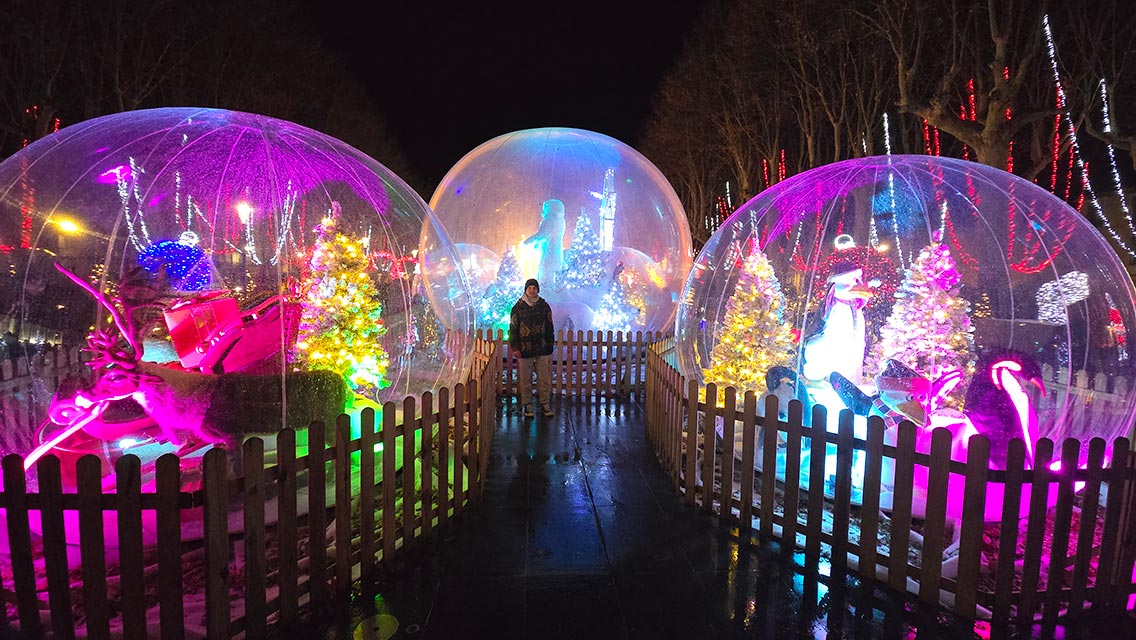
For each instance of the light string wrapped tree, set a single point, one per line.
(584, 260)
(615, 312)
(493, 308)
(929, 328)
(341, 321)
(754, 336)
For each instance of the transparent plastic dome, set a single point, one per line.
(262, 274)
(953, 293)
(588, 216)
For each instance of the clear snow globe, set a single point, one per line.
(920, 288)
(229, 274)
(588, 216)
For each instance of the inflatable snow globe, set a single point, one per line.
(588, 216)
(920, 288)
(228, 274)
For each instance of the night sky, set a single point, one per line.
(449, 78)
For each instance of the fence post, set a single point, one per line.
(317, 514)
(1008, 532)
(410, 423)
(428, 419)
(252, 467)
(49, 474)
(342, 476)
(729, 413)
(901, 506)
(1035, 529)
(367, 441)
(215, 483)
(1090, 505)
(170, 583)
(690, 481)
(1062, 517)
(708, 448)
(973, 517)
(286, 526)
(389, 482)
(19, 540)
(935, 518)
(128, 476)
(89, 478)
(870, 507)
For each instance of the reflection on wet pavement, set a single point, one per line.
(580, 534)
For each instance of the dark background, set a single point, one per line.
(451, 77)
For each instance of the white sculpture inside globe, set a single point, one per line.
(231, 273)
(931, 289)
(588, 216)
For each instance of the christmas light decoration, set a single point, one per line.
(341, 322)
(614, 313)
(1107, 128)
(184, 263)
(929, 328)
(754, 336)
(607, 211)
(584, 259)
(1054, 297)
(1116, 329)
(887, 135)
(1088, 187)
(493, 307)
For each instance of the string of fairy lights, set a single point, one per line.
(1088, 187)
(1107, 128)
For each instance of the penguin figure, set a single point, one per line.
(903, 394)
(1002, 401)
(839, 342)
(783, 382)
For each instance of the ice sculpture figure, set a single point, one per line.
(948, 262)
(587, 215)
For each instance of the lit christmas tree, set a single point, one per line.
(929, 328)
(341, 321)
(614, 312)
(584, 260)
(494, 306)
(754, 336)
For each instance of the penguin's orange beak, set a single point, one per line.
(913, 410)
(861, 291)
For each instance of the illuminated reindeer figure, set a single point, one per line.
(188, 408)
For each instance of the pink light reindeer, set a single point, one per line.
(186, 408)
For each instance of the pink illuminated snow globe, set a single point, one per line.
(223, 275)
(929, 289)
(588, 216)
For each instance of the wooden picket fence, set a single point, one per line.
(591, 363)
(1062, 566)
(257, 572)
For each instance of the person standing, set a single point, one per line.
(532, 338)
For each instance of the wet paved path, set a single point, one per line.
(581, 535)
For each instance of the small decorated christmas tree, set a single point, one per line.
(754, 337)
(615, 313)
(495, 304)
(584, 260)
(341, 321)
(929, 328)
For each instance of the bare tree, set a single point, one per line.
(63, 62)
(997, 52)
